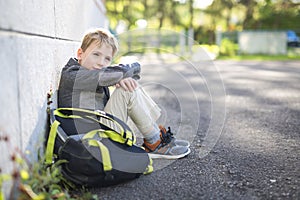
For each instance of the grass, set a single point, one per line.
(261, 57)
(292, 54)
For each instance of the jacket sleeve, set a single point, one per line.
(83, 78)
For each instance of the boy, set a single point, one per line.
(84, 84)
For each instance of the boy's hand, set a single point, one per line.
(132, 70)
(128, 84)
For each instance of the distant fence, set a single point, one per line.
(256, 42)
(155, 40)
(262, 42)
(247, 42)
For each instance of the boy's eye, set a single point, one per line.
(108, 59)
(96, 54)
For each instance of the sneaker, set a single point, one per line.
(165, 150)
(168, 136)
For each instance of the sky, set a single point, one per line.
(202, 3)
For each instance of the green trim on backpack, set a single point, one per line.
(149, 168)
(50, 143)
(107, 166)
(57, 113)
(114, 125)
(108, 134)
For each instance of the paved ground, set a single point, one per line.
(243, 123)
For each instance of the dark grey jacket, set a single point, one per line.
(83, 88)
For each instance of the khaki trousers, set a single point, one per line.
(137, 105)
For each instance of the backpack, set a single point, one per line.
(99, 149)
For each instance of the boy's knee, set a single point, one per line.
(121, 93)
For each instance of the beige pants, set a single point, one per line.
(137, 105)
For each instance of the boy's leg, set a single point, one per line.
(137, 105)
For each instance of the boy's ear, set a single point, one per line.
(79, 53)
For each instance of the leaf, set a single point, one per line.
(24, 174)
(27, 190)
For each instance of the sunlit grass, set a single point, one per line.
(261, 57)
(292, 54)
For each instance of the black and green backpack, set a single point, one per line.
(99, 149)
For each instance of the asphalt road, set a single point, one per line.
(242, 119)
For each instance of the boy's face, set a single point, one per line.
(95, 57)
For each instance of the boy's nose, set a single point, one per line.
(100, 65)
(101, 62)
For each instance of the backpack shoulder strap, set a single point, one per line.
(50, 143)
(55, 131)
(106, 161)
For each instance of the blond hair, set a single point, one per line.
(101, 36)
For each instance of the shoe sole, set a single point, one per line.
(170, 157)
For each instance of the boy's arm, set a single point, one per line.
(130, 70)
(89, 79)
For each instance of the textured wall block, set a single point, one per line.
(9, 99)
(36, 68)
(73, 18)
(28, 16)
(37, 38)
(39, 72)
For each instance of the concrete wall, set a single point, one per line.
(36, 38)
(262, 42)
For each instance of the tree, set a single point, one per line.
(278, 15)
(250, 6)
(128, 10)
(181, 15)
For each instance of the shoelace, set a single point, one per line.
(166, 136)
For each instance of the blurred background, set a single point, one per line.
(217, 25)
(39, 37)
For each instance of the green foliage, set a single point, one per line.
(277, 15)
(211, 48)
(37, 181)
(261, 57)
(228, 48)
(225, 15)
